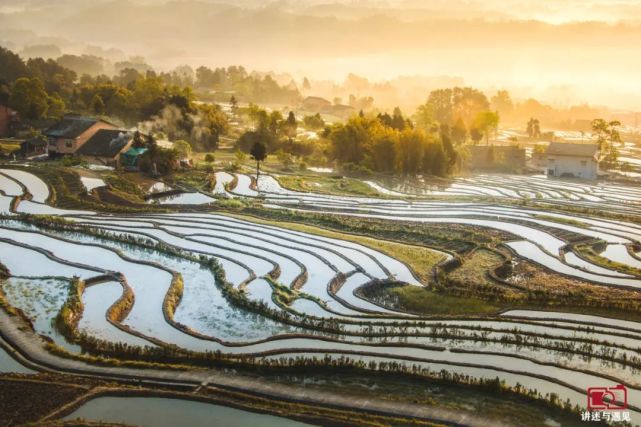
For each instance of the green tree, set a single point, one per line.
(5, 94)
(29, 98)
(486, 122)
(448, 105)
(55, 106)
(349, 140)
(149, 95)
(459, 132)
(240, 156)
(11, 66)
(398, 122)
(533, 128)
(411, 151)
(467, 103)
(183, 148)
(210, 123)
(424, 117)
(209, 158)
(97, 104)
(476, 135)
(159, 160)
(384, 149)
(502, 103)
(258, 153)
(314, 122)
(607, 135)
(290, 125)
(247, 140)
(55, 78)
(285, 159)
(440, 104)
(600, 130)
(233, 103)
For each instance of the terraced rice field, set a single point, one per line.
(301, 276)
(539, 235)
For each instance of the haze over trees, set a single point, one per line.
(583, 43)
(245, 86)
(430, 144)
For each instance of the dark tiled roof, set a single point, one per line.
(572, 149)
(34, 142)
(106, 143)
(70, 127)
(316, 99)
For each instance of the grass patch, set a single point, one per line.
(328, 185)
(567, 221)
(588, 252)
(475, 267)
(143, 181)
(420, 300)
(193, 179)
(122, 187)
(120, 183)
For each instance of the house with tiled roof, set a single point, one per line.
(68, 135)
(106, 146)
(572, 160)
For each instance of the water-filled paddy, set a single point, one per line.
(9, 364)
(183, 199)
(164, 412)
(91, 183)
(35, 186)
(40, 300)
(247, 250)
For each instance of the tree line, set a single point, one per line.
(41, 89)
(431, 142)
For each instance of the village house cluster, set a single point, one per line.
(96, 141)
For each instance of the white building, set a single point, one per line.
(572, 160)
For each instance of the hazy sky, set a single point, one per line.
(562, 51)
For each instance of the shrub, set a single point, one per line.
(71, 161)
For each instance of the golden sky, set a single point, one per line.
(562, 51)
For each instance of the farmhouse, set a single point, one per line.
(315, 104)
(33, 148)
(72, 132)
(572, 160)
(106, 145)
